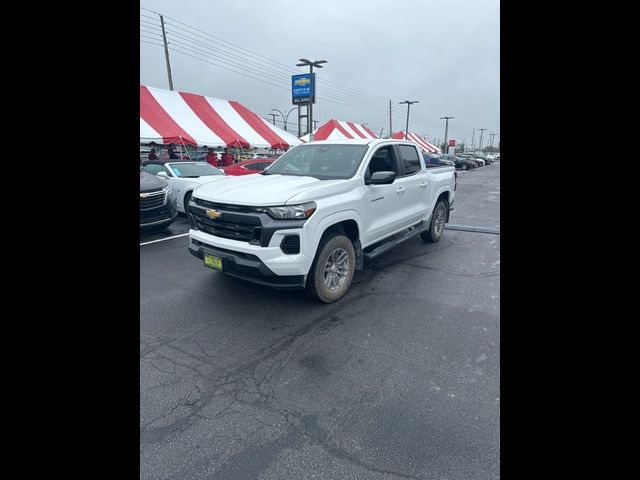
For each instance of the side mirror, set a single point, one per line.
(163, 174)
(381, 178)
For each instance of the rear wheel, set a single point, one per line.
(436, 227)
(332, 269)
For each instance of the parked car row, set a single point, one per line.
(468, 161)
(167, 185)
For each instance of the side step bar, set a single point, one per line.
(388, 245)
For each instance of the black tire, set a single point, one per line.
(187, 197)
(319, 278)
(436, 226)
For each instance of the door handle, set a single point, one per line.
(400, 190)
(423, 184)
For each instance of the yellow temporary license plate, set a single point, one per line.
(212, 261)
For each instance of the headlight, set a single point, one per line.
(290, 212)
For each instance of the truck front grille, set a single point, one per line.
(234, 231)
(232, 225)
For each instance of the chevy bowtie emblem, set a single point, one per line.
(213, 214)
(144, 195)
(302, 81)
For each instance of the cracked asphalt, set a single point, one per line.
(399, 379)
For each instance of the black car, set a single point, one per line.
(461, 163)
(157, 204)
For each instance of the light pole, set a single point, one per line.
(284, 118)
(409, 103)
(446, 130)
(310, 64)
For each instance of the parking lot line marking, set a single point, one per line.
(165, 238)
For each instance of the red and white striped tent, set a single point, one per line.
(339, 130)
(188, 119)
(414, 137)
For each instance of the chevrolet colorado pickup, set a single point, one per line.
(318, 212)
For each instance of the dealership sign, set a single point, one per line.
(303, 89)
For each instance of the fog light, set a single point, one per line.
(290, 244)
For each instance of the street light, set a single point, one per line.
(310, 64)
(409, 103)
(284, 118)
(446, 131)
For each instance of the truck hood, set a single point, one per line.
(261, 190)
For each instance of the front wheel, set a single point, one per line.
(436, 227)
(332, 269)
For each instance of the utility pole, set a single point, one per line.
(166, 52)
(481, 132)
(409, 103)
(492, 137)
(446, 131)
(273, 115)
(472, 137)
(310, 64)
(390, 127)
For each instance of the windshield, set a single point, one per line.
(322, 161)
(195, 169)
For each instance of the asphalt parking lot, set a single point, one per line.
(399, 379)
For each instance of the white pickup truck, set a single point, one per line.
(317, 213)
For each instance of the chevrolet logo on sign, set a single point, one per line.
(301, 82)
(213, 214)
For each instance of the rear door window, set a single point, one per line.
(409, 159)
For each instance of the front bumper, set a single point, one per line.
(245, 266)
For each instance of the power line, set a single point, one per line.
(151, 43)
(263, 59)
(338, 98)
(267, 75)
(227, 68)
(151, 34)
(331, 94)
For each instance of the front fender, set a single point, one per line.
(311, 246)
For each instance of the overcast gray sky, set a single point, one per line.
(444, 53)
